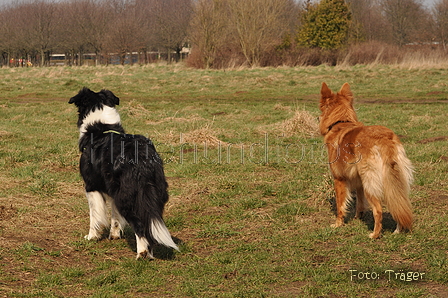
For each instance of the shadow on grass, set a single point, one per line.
(388, 222)
(159, 251)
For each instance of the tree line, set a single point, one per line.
(220, 33)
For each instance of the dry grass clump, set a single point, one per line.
(4, 133)
(302, 123)
(281, 107)
(202, 135)
(192, 118)
(133, 108)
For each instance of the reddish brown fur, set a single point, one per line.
(368, 159)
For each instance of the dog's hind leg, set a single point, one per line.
(341, 199)
(143, 250)
(117, 221)
(377, 215)
(360, 202)
(398, 229)
(98, 214)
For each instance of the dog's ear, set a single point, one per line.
(107, 94)
(346, 92)
(77, 99)
(325, 92)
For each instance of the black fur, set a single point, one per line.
(125, 167)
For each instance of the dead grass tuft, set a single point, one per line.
(202, 135)
(281, 107)
(191, 118)
(302, 123)
(4, 133)
(135, 109)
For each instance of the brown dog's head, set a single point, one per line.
(335, 107)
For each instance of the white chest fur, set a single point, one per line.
(106, 115)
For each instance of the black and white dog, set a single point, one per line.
(124, 170)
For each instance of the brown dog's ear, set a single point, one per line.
(345, 91)
(325, 92)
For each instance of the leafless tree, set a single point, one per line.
(407, 19)
(259, 24)
(169, 22)
(209, 29)
(368, 21)
(8, 40)
(440, 13)
(86, 23)
(37, 25)
(124, 30)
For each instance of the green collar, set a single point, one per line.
(113, 131)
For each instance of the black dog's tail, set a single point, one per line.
(160, 233)
(153, 196)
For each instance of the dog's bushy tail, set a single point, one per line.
(160, 233)
(397, 178)
(155, 196)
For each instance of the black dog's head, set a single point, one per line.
(88, 101)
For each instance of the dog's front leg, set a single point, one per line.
(98, 214)
(341, 195)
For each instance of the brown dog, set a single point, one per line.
(368, 159)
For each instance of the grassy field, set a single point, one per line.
(250, 193)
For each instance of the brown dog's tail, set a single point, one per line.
(397, 178)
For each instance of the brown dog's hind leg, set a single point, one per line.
(340, 187)
(377, 215)
(360, 202)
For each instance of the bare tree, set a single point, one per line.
(124, 31)
(169, 23)
(86, 23)
(407, 18)
(209, 29)
(368, 21)
(37, 24)
(259, 24)
(8, 40)
(440, 13)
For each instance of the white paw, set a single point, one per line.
(91, 237)
(145, 254)
(114, 236)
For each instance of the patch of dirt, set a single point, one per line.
(315, 98)
(439, 200)
(433, 139)
(219, 113)
(7, 212)
(293, 289)
(407, 101)
(437, 290)
(31, 98)
(435, 93)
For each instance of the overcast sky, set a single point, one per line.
(426, 2)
